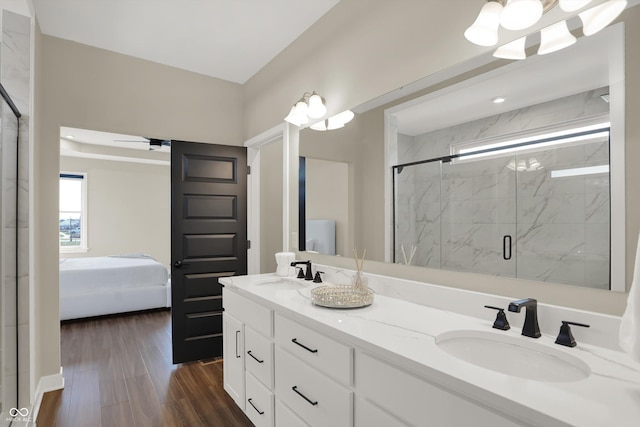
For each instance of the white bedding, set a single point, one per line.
(114, 284)
(85, 275)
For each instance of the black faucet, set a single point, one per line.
(530, 327)
(308, 274)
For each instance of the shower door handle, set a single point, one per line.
(506, 247)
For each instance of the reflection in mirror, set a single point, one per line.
(534, 209)
(324, 206)
(524, 218)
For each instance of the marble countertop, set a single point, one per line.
(405, 333)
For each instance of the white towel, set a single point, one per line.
(630, 325)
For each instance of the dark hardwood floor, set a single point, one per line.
(118, 372)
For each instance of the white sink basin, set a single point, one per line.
(513, 355)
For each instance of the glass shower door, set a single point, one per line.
(417, 208)
(8, 253)
(563, 213)
(478, 221)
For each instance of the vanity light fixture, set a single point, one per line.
(522, 14)
(530, 165)
(334, 122)
(311, 105)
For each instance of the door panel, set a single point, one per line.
(208, 241)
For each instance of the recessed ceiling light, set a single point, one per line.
(70, 136)
(498, 99)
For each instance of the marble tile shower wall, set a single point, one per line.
(457, 217)
(15, 71)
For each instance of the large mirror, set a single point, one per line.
(445, 178)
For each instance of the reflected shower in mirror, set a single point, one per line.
(450, 178)
(535, 206)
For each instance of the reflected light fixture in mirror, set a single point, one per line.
(522, 14)
(334, 122)
(311, 105)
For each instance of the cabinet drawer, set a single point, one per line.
(251, 313)
(329, 356)
(411, 399)
(369, 415)
(259, 407)
(286, 418)
(316, 398)
(258, 356)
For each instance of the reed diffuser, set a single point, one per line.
(359, 282)
(407, 261)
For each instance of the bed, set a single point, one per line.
(112, 284)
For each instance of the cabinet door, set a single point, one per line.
(285, 417)
(234, 358)
(410, 398)
(369, 415)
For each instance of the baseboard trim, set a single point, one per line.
(45, 384)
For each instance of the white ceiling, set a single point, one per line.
(228, 39)
(91, 144)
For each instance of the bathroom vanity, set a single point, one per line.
(419, 355)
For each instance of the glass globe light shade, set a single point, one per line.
(316, 108)
(555, 37)
(573, 5)
(484, 31)
(520, 14)
(513, 50)
(596, 18)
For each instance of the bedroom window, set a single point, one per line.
(73, 212)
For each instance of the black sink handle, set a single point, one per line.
(501, 319)
(565, 337)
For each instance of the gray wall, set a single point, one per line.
(137, 220)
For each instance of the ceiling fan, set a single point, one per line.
(154, 143)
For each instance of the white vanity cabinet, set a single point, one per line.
(285, 373)
(414, 400)
(382, 366)
(248, 357)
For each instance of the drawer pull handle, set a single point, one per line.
(255, 358)
(295, 388)
(254, 407)
(238, 355)
(295, 341)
